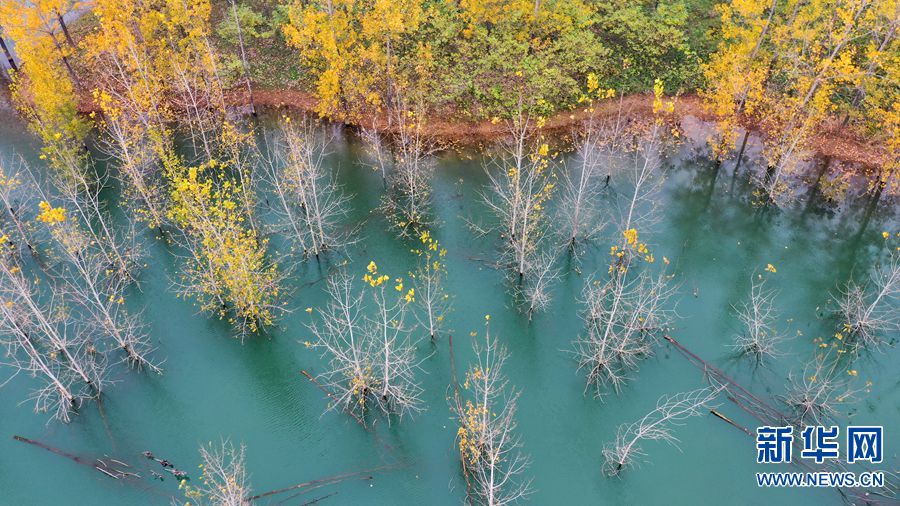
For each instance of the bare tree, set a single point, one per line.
(671, 411)
(90, 284)
(629, 310)
(624, 315)
(378, 152)
(370, 349)
(135, 139)
(80, 189)
(869, 311)
(16, 199)
(813, 395)
(309, 203)
(430, 295)
(598, 148)
(517, 195)
(42, 339)
(759, 338)
(536, 291)
(411, 162)
(396, 362)
(197, 89)
(490, 450)
(224, 481)
(643, 180)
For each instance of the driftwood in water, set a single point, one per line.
(730, 421)
(317, 499)
(97, 464)
(746, 400)
(768, 415)
(363, 475)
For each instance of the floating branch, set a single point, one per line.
(114, 472)
(313, 484)
(670, 412)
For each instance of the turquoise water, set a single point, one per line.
(253, 392)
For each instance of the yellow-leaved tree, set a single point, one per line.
(736, 74)
(45, 87)
(228, 271)
(353, 47)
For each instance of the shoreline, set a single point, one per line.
(831, 141)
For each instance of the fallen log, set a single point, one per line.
(364, 474)
(730, 421)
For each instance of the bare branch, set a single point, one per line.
(670, 412)
(490, 449)
(760, 338)
(869, 311)
(224, 481)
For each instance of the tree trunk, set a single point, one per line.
(740, 156)
(9, 56)
(823, 168)
(237, 24)
(65, 29)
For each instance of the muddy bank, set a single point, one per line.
(831, 141)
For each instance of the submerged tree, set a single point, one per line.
(490, 450)
(404, 157)
(93, 287)
(137, 144)
(428, 282)
(80, 188)
(671, 411)
(628, 311)
(409, 184)
(759, 338)
(813, 395)
(42, 339)
(308, 202)
(16, 200)
(597, 146)
(518, 193)
(369, 346)
(624, 316)
(868, 311)
(128, 55)
(228, 272)
(536, 292)
(224, 480)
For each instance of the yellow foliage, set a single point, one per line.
(229, 265)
